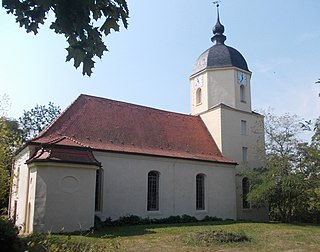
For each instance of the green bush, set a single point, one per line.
(9, 240)
(208, 237)
(136, 220)
(210, 218)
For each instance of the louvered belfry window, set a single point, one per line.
(153, 191)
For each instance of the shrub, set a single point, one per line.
(136, 220)
(208, 237)
(210, 218)
(9, 240)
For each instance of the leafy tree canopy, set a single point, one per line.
(289, 181)
(82, 22)
(34, 121)
(10, 141)
(13, 134)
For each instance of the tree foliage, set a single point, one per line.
(13, 134)
(289, 181)
(82, 22)
(34, 121)
(10, 141)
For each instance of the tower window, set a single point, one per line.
(198, 96)
(244, 154)
(153, 191)
(245, 191)
(243, 127)
(242, 93)
(200, 192)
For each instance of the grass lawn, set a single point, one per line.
(178, 237)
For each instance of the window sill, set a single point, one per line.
(201, 211)
(198, 104)
(156, 212)
(243, 101)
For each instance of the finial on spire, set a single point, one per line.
(218, 29)
(217, 3)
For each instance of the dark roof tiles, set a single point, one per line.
(220, 55)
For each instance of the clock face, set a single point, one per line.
(242, 78)
(198, 81)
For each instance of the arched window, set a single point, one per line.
(245, 191)
(98, 196)
(198, 96)
(242, 93)
(200, 192)
(153, 191)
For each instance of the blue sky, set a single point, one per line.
(150, 62)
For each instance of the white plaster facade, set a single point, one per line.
(61, 197)
(225, 114)
(58, 197)
(125, 186)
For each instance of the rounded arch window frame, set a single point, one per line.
(245, 183)
(243, 93)
(199, 96)
(200, 192)
(153, 191)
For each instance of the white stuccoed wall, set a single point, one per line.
(64, 198)
(20, 187)
(125, 186)
(61, 195)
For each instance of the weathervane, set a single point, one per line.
(217, 3)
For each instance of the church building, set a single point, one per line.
(110, 159)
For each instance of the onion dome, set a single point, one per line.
(219, 55)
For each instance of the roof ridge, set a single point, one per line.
(138, 106)
(54, 120)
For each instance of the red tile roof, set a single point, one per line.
(55, 153)
(108, 125)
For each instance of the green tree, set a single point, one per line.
(82, 22)
(310, 163)
(287, 181)
(13, 134)
(10, 141)
(34, 121)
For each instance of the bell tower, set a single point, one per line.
(220, 75)
(220, 94)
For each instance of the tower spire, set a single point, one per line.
(218, 29)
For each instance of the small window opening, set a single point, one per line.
(243, 127)
(244, 154)
(198, 96)
(242, 93)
